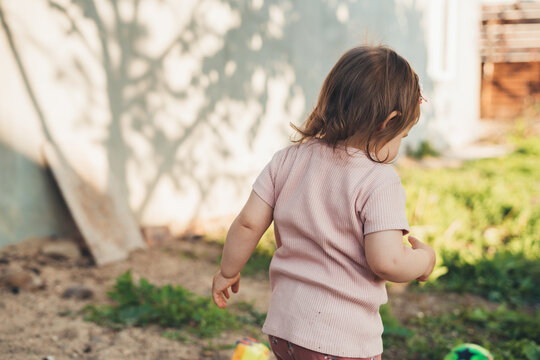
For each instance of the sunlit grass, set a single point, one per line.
(483, 220)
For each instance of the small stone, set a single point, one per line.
(78, 292)
(87, 348)
(17, 280)
(62, 249)
(37, 282)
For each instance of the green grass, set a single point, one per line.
(168, 306)
(180, 312)
(483, 220)
(506, 333)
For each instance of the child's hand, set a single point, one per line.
(417, 244)
(220, 288)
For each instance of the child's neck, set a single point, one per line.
(351, 142)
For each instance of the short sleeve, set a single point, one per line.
(384, 209)
(265, 184)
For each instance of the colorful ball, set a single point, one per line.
(468, 352)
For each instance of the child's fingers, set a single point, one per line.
(236, 286)
(226, 293)
(218, 300)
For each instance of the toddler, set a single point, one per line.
(339, 215)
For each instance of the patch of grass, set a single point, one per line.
(485, 218)
(504, 277)
(167, 306)
(506, 333)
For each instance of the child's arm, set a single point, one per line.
(392, 260)
(242, 238)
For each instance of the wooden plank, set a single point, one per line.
(511, 44)
(529, 13)
(510, 34)
(528, 36)
(505, 7)
(103, 216)
(512, 15)
(509, 57)
(511, 28)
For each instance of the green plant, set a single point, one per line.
(423, 149)
(483, 219)
(168, 306)
(505, 276)
(508, 334)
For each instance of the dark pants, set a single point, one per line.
(285, 350)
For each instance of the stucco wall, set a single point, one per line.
(183, 102)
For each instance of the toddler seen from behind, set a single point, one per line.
(338, 209)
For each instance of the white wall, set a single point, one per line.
(184, 102)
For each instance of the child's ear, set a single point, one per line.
(392, 115)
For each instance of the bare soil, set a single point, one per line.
(37, 322)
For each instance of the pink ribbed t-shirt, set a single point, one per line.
(324, 295)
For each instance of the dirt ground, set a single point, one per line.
(39, 322)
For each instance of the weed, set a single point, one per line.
(168, 306)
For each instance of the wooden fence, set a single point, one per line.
(510, 53)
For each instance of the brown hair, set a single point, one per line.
(360, 92)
